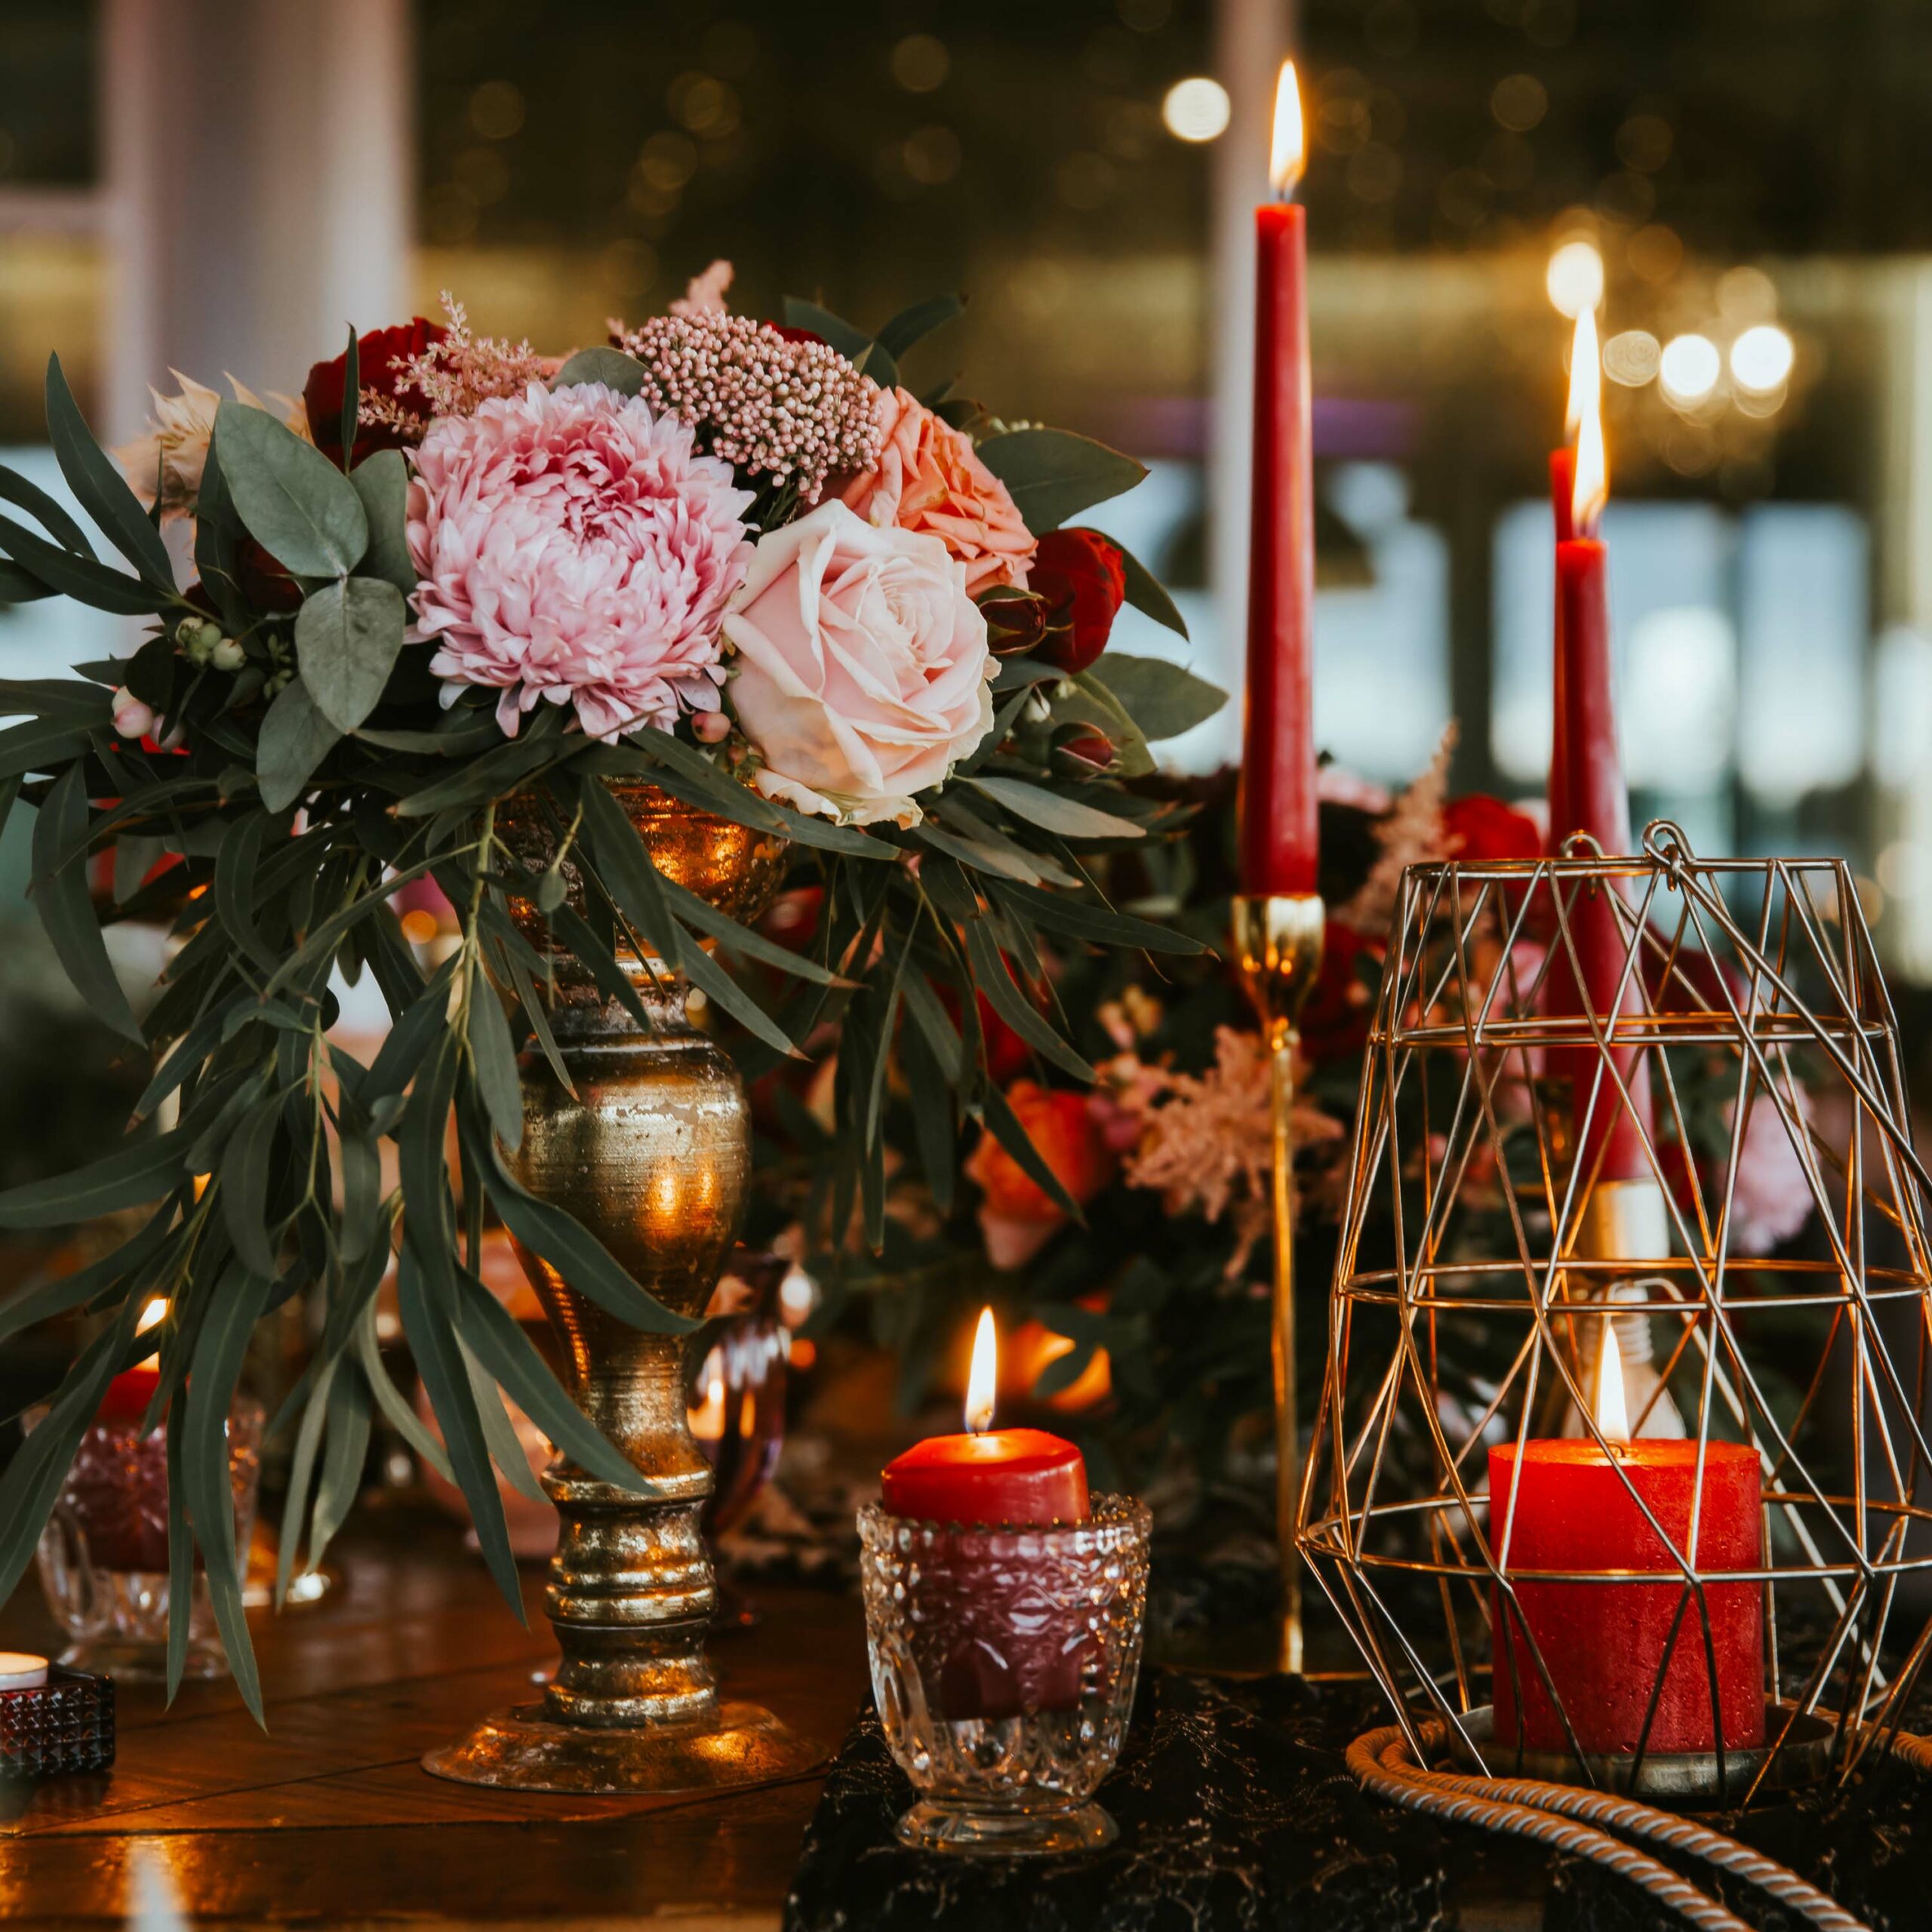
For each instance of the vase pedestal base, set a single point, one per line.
(521, 1750)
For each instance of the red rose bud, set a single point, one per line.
(1081, 752)
(376, 354)
(1016, 621)
(1079, 574)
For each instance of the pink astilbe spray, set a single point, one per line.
(789, 410)
(574, 546)
(456, 375)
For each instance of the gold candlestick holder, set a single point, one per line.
(1278, 946)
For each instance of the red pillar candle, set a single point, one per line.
(997, 1648)
(1572, 1505)
(1278, 819)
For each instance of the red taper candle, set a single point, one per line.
(1278, 818)
(1565, 1505)
(1587, 794)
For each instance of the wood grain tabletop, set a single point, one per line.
(329, 1819)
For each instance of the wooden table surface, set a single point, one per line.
(328, 1820)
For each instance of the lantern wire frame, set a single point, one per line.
(1751, 990)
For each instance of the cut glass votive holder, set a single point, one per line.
(103, 1555)
(57, 1728)
(1004, 1662)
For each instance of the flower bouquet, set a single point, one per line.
(740, 561)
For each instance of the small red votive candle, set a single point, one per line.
(1004, 1650)
(1567, 1505)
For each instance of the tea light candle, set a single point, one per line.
(21, 1670)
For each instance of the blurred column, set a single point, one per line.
(259, 178)
(1902, 687)
(1251, 39)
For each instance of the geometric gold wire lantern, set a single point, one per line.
(1596, 1482)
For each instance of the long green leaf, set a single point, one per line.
(393, 1403)
(570, 1248)
(341, 1479)
(301, 1479)
(497, 1340)
(493, 1054)
(41, 744)
(65, 908)
(35, 1300)
(625, 869)
(80, 578)
(1011, 1134)
(239, 1301)
(95, 480)
(991, 975)
(294, 501)
(1054, 811)
(432, 1339)
(915, 324)
(1147, 594)
(235, 885)
(245, 1165)
(1079, 918)
(47, 510)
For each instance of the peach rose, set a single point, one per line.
(929, 478)
(861, 666)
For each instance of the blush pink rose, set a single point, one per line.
(861, 666)
(929, 478)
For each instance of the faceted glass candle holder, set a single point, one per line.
(1004, 1660)
(103, 1555)
(64, 1725)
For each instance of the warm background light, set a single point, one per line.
(983, 1381)
(1574, 278)
(1196, 108)
(1631, 358)
(1762, 358)
(1689, 367)
(1288, 150)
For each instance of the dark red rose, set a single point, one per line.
(1334, 1023)
(1079, 576)
(1016, 621)
(264, 582)
(790, 334)
(375, 355)
(1482, 829)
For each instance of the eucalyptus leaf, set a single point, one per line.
(348, 636)
(493, 1054)
(295, 502)
(1053, 474)
(611, 366)
(1162, 699)
(296, 737)
(915, 324)
(47, 510)
(382, 482)
(1147, 594)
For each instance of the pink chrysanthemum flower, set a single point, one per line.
(574, 546)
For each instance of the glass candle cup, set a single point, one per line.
(1004, 1661)
(103, 1555)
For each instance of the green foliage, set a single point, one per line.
(310, 772)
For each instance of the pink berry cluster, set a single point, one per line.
(769, 404)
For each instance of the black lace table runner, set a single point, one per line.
(1236, 1814)
(1234, 1811)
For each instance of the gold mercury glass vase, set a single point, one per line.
(652, 1155)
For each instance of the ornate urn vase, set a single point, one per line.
(652, 1153)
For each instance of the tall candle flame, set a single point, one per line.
(1591, 490)
(1613, 1413)
(1288, 151)
(1586, 373)
(152, 1316)
(984, 1380)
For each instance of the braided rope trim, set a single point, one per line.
(1567, 1817)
